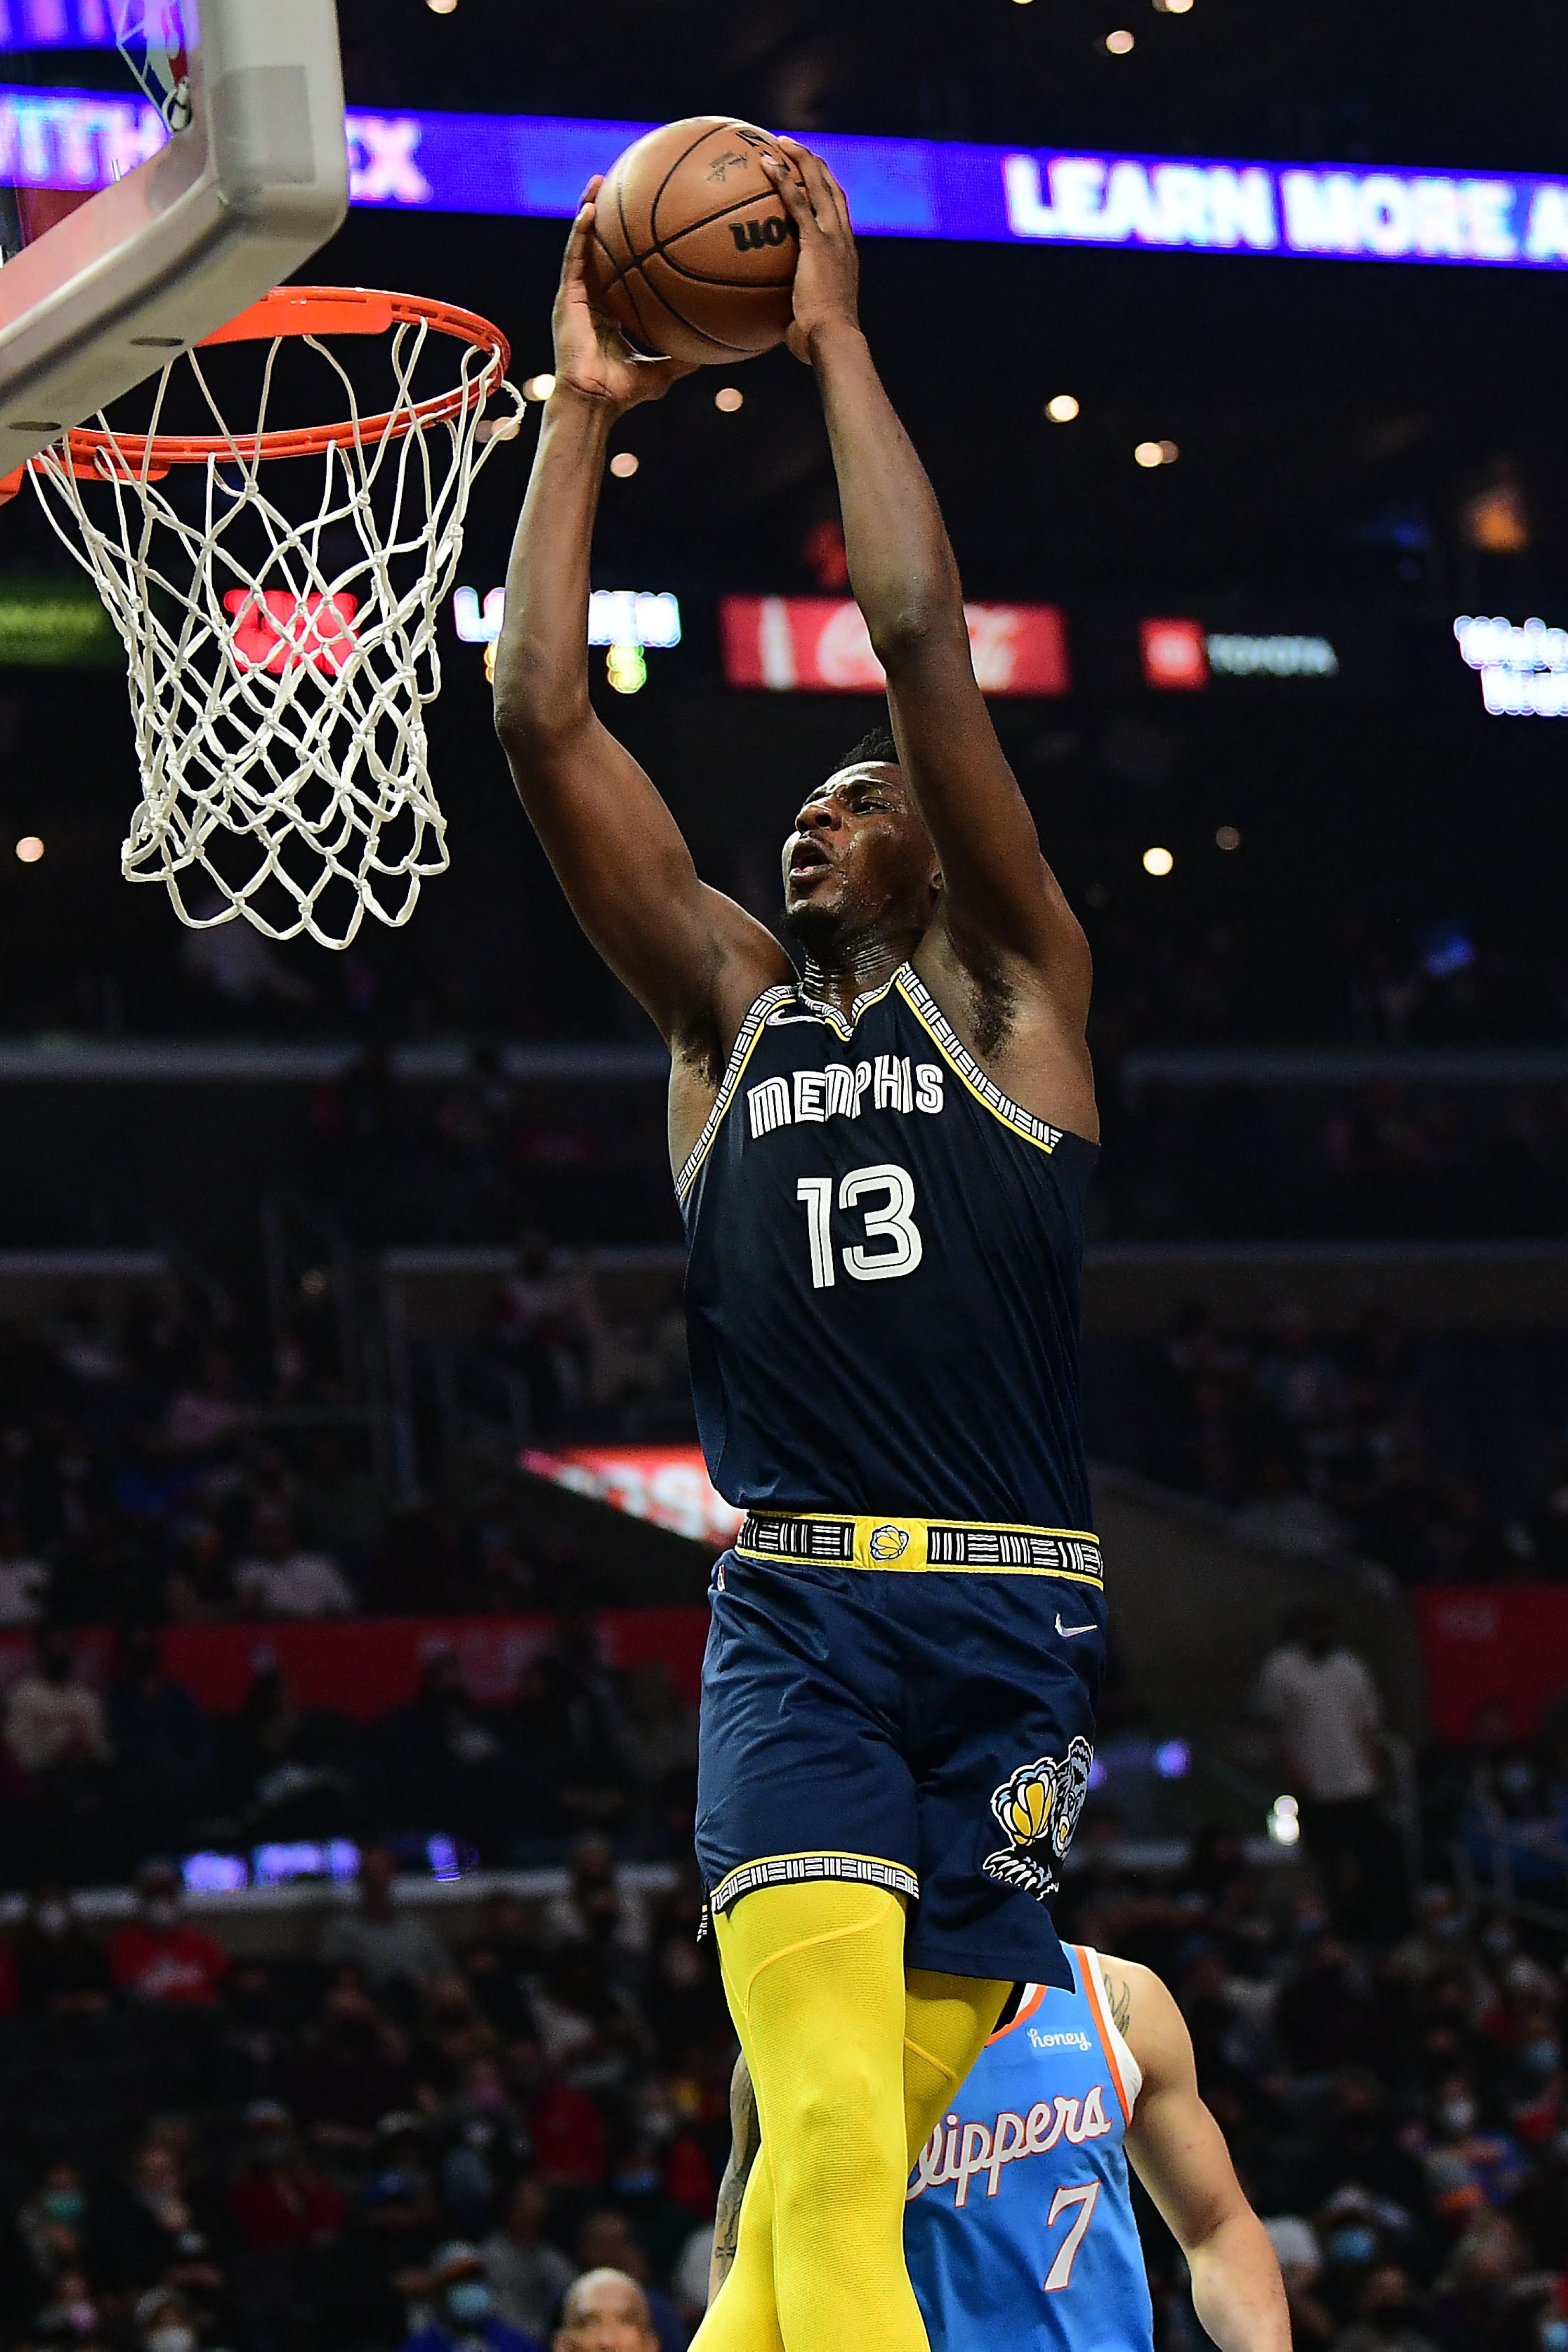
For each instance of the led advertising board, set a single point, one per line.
(1524, 671)
(818, 644)
(534, 166)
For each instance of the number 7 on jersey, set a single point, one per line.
(1085, 2198)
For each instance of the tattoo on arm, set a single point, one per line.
(745, 2140)
(1120, 1994)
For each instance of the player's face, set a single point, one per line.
(859, 855)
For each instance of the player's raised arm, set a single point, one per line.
(998, 892)
(693, 958)
(1179, 2152)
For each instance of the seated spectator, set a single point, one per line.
(71, 2313)
(597, 1907)
(276, 2197)
(23, 1576)
(351, 2069)
(165, 2321)
(382, 1941)
(614, 2295)
(200, 1588)
(399, 2204)
(61, 1964)
(527, 2276)
(159, 1956)
(448, 1767)
(464, 2314)
(1387, 2317)
(615, 2308)
(160, 1738)
(151, 2229)
(288, 1769)
(281, 1578)
(53, 1719)
(51, 2226)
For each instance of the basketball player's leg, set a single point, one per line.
(816, 1979)
(947, 2021)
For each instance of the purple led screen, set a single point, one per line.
(535, 166)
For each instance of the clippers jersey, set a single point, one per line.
(1019, 2224)
(883, 1286)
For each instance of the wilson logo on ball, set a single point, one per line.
(751, 236)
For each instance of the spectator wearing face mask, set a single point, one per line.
(50, 2226)
(463, 2313)
(1467, 2168)
(159, 1956)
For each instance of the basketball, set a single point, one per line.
(693, 253)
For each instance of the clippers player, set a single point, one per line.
(1018, 2222)
(881, 1163)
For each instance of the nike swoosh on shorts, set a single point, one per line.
(1069, 1633)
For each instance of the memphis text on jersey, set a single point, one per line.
(839, 1090)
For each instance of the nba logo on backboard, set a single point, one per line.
(1174, 655)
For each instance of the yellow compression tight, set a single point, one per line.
(852, 2069)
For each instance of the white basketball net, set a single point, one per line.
(279, 703)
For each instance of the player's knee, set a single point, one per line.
(839, 2127)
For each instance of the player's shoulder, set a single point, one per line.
(1145, 2012)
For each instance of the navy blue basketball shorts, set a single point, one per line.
(914, 1712)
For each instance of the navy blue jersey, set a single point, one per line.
(882, 1293)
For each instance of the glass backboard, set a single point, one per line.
(162, 164)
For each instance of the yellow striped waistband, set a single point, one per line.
(917, 1547)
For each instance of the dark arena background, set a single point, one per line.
(354, 1537)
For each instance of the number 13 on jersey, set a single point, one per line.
(891, 1222)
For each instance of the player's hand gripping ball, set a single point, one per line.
(694, 249)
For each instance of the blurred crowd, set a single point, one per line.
(1445, 1455)
(419, 2129)
(1308, 975)
(401, 2137)
(97, 1770)
(1386, 1161)
(1397, 2105)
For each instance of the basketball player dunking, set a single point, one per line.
(881, 1164)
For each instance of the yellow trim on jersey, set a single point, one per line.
(952, 1047)
(741, 1053)
(902, 1547)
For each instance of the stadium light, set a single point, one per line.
(1227, 837)
(624, 464)
(29, 849)
(728, 399)
(1118, 44)
(1062, 409)
(1158, 862)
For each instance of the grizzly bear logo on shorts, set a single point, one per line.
(1037, 1812)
